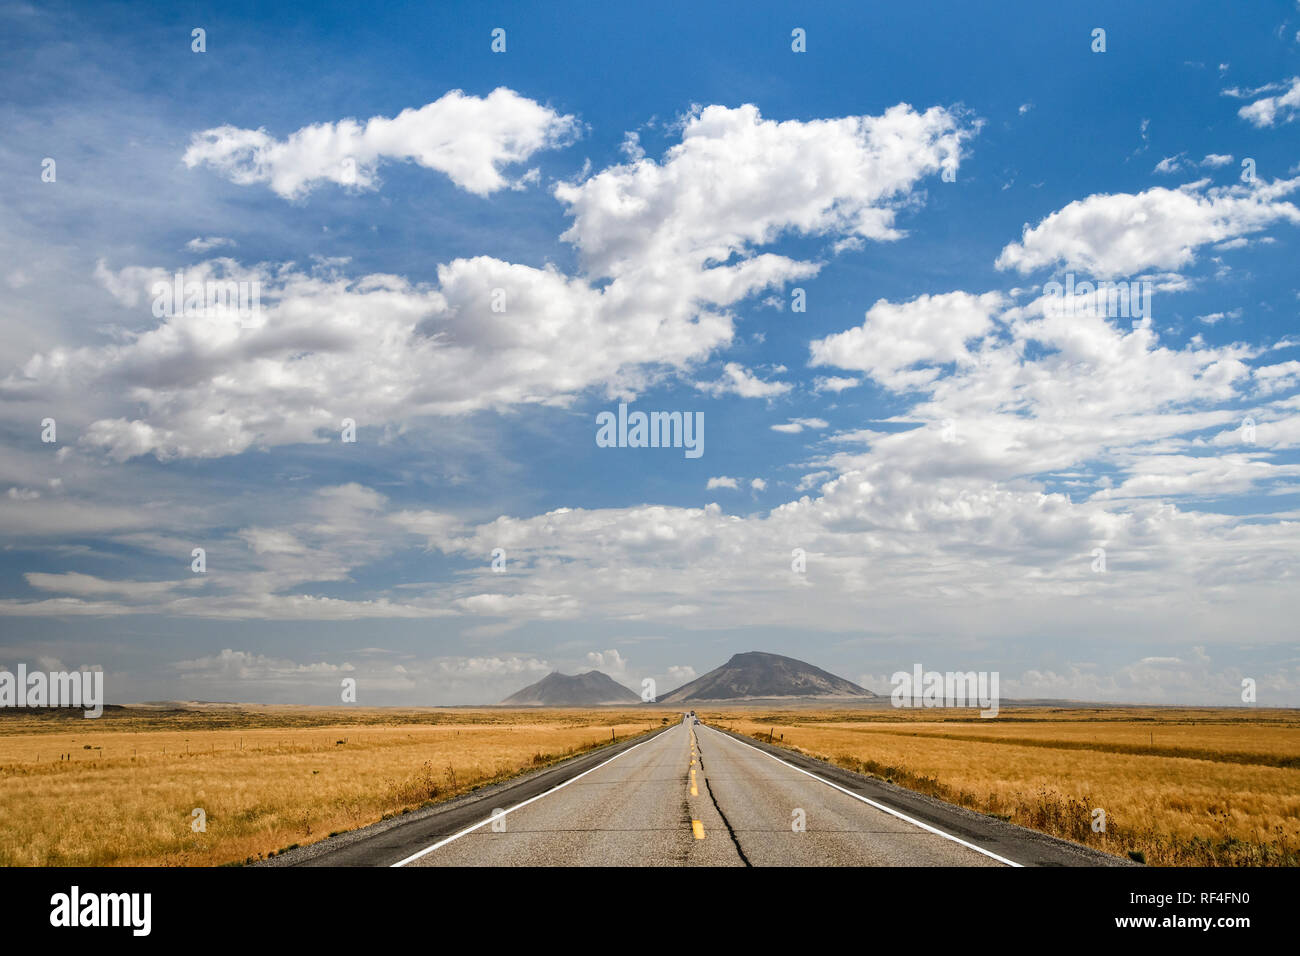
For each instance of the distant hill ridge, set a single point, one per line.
(579, 690)
(758, 675)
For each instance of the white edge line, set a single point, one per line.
(879, 806)
(456, 836)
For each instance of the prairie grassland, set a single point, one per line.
(121, 790)
(1179, 787)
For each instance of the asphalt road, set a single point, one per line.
(692, 795)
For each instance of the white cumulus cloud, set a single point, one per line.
(1124, 233)
(468, 138)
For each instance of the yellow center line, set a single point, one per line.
(698, 829)
(695, 790)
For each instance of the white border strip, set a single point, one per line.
(456, 836)
(879, 806)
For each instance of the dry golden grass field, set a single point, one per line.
(121, 790)
(1179, 787)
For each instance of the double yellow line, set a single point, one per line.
(697, 828)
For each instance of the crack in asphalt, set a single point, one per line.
(725, 822)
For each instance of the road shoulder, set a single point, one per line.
(385, 842)
(1024, 846)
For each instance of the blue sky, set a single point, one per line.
(647, 193)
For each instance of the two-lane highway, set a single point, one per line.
(694, 796)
